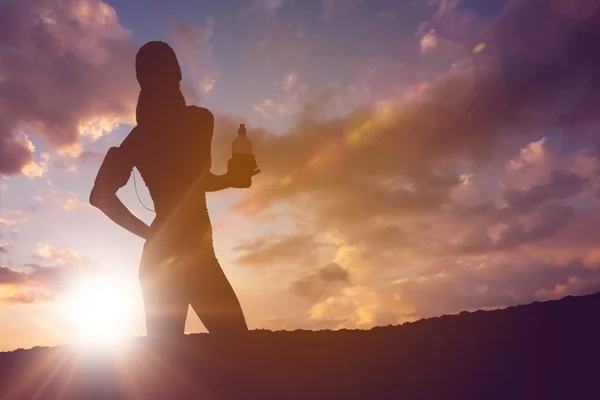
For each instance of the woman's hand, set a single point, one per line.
(240, 170)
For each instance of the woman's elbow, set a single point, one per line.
(96, 197)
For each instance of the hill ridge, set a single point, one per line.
(541, 350)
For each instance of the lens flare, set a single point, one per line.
(99, 310)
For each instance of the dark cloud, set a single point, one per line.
(91, 156)
(547, 221)
(378, 240)
(496, 284)
(552, 218)
(561, 186)
(55, 278)
(10, 276)
(333, 273)
(321, 282)
(280, 251)
(546, 53)
(13, 153)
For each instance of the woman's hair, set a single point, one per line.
(159, 75)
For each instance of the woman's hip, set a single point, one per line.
(177, 260)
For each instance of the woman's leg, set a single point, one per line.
(165, 297)
(214, 300)
(165, 310)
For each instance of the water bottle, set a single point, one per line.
(241, 150)
(241, 144)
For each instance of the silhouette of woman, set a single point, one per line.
(171, 147)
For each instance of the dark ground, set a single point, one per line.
(539, 351)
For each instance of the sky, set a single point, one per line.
(418, 157)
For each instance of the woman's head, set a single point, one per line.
(159, 75)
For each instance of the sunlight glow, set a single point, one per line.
(479, 47)
(99, 311)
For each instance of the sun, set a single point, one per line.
(99, 310)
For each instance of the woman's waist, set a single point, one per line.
(188, 202)
(177, 224)
(176, 236)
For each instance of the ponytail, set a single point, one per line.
(156, 107)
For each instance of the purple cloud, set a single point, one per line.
(67, 71)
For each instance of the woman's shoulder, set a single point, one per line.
(132, 139)
(199, 113)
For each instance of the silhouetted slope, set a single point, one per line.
(539, 351)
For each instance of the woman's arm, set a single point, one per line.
(114, 174)
(232, 179)
(113, 208)
(214, 183)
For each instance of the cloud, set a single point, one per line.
(491, 159)
(488, 284)
(289, 81)
(262, 8)
(72, 203)
(65, 199)
(561, 186)
(67, 71)
(10, 277)
(28, 298)
(321, 282)
(44, 280)
(552, 218)
(64, 166)
(196, 52)
(279, 251)
(495, 283)
(266, 106)
(461, 120)
(91, 156)
(428, 41)
(361, 307)
(288, 103)
(337, 7)
(48, 253)
(281, 41)
(35, 169)
(6, 222)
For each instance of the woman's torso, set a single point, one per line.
(172, 160)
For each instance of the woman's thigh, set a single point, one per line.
(164, 291)
(213, 299)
